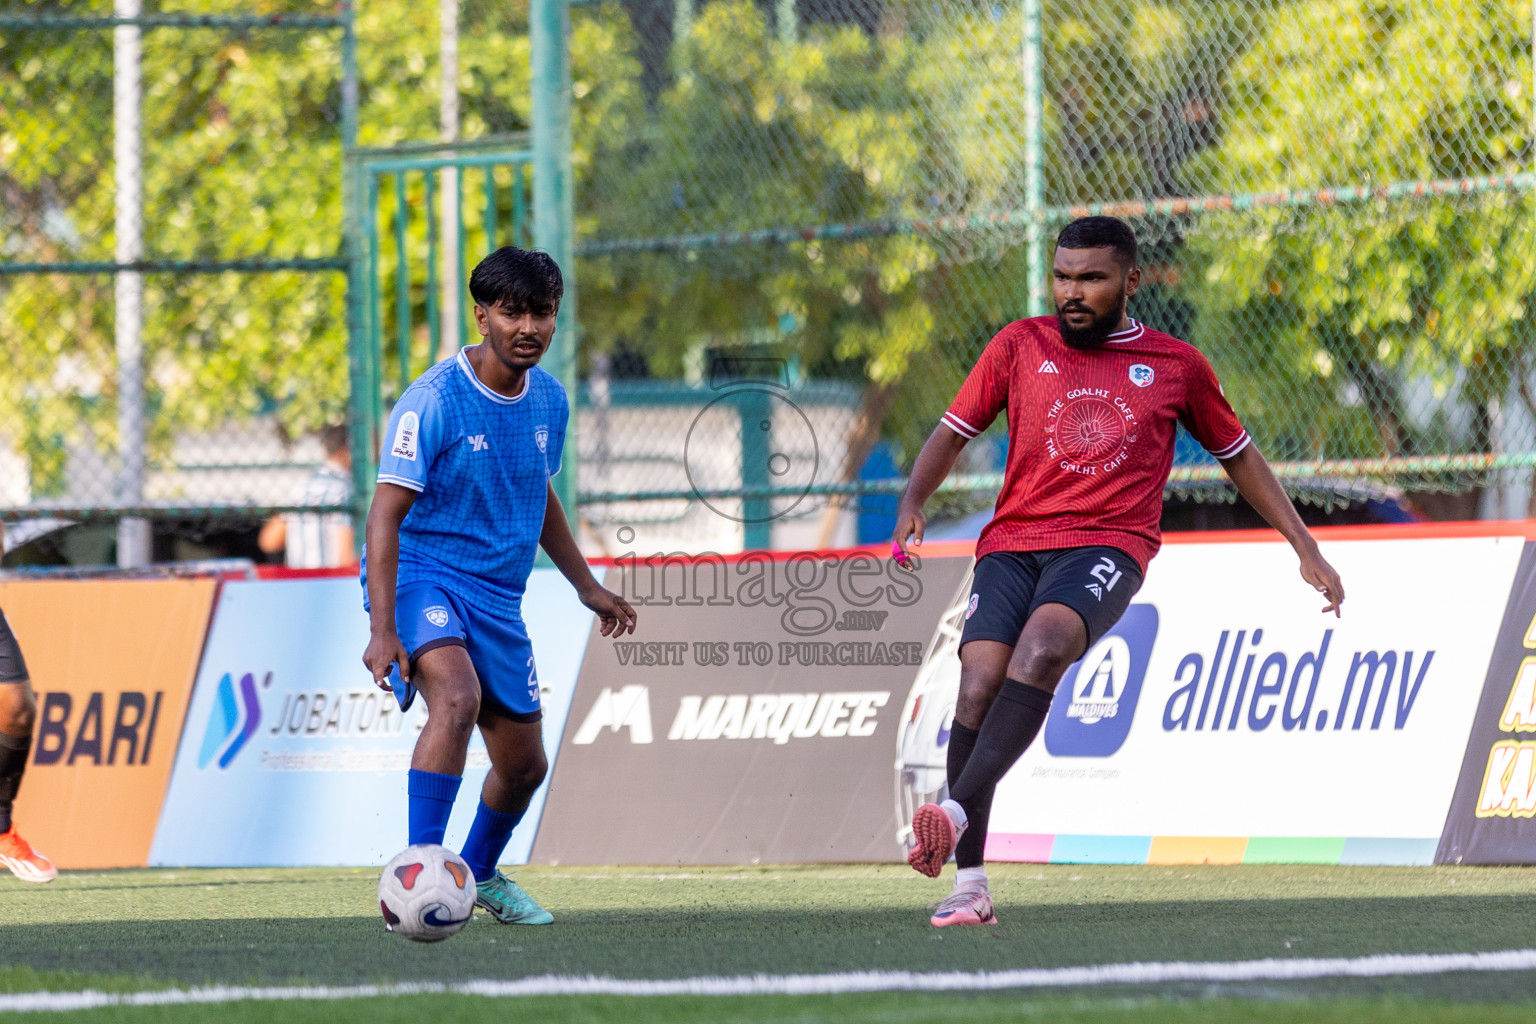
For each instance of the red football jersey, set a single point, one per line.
(1090, 433)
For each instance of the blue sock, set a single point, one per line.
(431, 801)
(488, 837)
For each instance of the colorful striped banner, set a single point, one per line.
(1035, 848)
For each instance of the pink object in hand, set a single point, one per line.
(899, 555)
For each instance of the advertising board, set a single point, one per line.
(1225, 720)
(112, 662)
(753, 717)
(291, 756)
(1492, 819)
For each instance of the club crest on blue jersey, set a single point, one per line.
(541, 437)
(437, 615)
(1141, 375)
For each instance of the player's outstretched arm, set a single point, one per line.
(390, 504)
(933, 464)
(612, 611)
(1256, 482)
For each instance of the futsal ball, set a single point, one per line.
(426, 893)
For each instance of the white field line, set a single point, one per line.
(1379, 965)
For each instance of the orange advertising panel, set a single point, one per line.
(112, 662)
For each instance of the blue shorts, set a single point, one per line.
(429, 616)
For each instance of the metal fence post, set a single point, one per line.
(1034, 159)
(1529, 510)
(434, 288)
(451, 328)
(786, 21)
(134, 545)
(682, 25)
(402, 285)
(363, 425)
(553, 210)
(756, 448)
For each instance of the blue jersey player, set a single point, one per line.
(463, 501)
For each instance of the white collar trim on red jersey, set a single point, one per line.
(1131, 333)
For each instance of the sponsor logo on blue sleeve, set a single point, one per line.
(407, 434)
(1096, 701)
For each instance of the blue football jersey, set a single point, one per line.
(481, 464)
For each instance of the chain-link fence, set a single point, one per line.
(799, 222)
(1334, 198)
(172, 275)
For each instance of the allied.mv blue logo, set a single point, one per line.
(1094, 705)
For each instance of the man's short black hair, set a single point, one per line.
(1100, 233)
(519, 281)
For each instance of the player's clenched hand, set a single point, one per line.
(1325, 579)
(383, 651)
(909, 530)
(613, 611)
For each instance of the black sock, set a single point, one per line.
(1009, 728)
(13, 763)
(962, 740)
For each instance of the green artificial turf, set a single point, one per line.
(877, 1008)
(116, 931)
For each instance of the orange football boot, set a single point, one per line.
(25, 863)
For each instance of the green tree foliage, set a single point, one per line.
(1324, 317)
(240, 158)
(921, 120)
(840, 126)
(1315, 318)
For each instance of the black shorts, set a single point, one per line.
(13, 667)
(1097, 583)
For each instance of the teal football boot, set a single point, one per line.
(507, 903)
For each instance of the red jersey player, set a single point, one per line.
(1092, 399)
